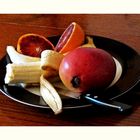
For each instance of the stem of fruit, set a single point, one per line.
(89, 43)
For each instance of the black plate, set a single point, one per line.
(129, 59)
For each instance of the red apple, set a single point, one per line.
(84, 69)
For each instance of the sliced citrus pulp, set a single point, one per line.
(33, 44)
(71, 38)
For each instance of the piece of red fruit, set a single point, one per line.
(71, 38)
(33, 45)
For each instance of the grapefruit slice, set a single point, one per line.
(33, 45)
(71, 38)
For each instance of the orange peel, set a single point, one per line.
(71, 38)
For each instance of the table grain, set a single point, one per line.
(121, 27)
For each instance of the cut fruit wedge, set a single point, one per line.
(72, 38)
(33, 44)
(50, 95)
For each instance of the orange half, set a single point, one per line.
(71, 38)
(33, 45)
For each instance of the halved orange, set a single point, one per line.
(33, 44)
(71, 38)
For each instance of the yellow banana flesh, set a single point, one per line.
(23, 73)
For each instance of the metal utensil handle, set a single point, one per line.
(121, 107)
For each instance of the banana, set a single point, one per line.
(18, 58)
(23, 73)
(29, 70)
(89, 43)
(49, 72)
(50, 95)
(51, 59)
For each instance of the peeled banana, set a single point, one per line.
(23, 73)
(31, 70)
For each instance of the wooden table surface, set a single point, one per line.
(123, 27)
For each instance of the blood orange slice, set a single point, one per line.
(33, 45)
(71, 38)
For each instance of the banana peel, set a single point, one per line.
(50, 95)
(51, 59)
(18, 58)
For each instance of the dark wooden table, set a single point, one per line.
(124, 28)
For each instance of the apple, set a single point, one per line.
(85, 69)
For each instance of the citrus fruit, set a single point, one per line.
(71, 38)
(33, 44)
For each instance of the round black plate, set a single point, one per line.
(129, 59)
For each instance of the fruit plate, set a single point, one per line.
(128, 58)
